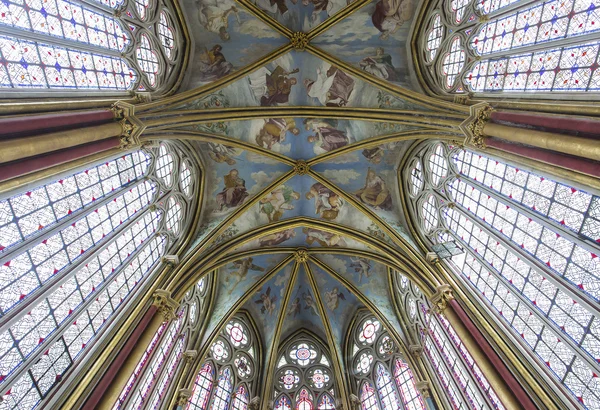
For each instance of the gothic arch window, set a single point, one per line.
(511, 47)
(88, 47)
(303, 376)
(150, 381)
(531, 246)
(453, 367)
(228, 379)
(380, 375)
(72, 252)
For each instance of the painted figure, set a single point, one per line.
(234, 192)
(213, 64)
(332, 298)
(295, 308)
(278, 86)
(323, 238)
(375, 192)
(374, 155)
(332, 88)
(214, 16)
(221, 153)
(276, 238)
(390, 15)
(240, 269)
(310, 303)
(327, 203)
(329, 6)
(327, 137)
(274, 204)
(274, 131)
(380, 65)
(267, 301)
(362, 266)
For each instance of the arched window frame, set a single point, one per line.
(125, 15)
(542, 311)
(380, 350)
(302, 370)
(249, 350)
(453, 368)
(475, 16)
(103, 294)
(151, 380)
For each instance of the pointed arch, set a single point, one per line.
(372, 359)
(303, 373)
(234, 363)
(73, 253)
(509, 48)
(77, 47)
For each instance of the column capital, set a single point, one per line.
(183, 395)
(441, 297)
(432, 258)
(254, 403)
(354, 400)
(424, 388)
(415, 351)
(131, 126)
(190, 355)
(165, 305)
(473, 126)
(170, 260)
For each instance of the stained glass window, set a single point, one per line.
(202, 388)
(283, 403)
(72, 252)
(71, 45)
(304, 374)
(368, 401)
(232, 359)
(374, 368)
(531, 248)
(543, 47)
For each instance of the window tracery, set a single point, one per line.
(457, 373)
(511, 46)
(69, 46)
(380, 375)
(71, 252)
(531, 246)
(303, 376)
(229, 377)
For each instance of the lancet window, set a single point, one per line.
(511, 46)
(303, 376)
(150, 381)
(453, 367)
(95, 46)
(380, 375)
(72, 251)
(530, 256)
(228, 379)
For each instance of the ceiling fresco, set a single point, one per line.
(278, 184)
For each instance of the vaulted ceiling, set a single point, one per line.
(299, 152)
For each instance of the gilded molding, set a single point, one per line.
(183, 396)
(441, 297)
(165, 305)
(473, 126)
(299, 40)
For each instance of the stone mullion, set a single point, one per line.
(522, 299)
